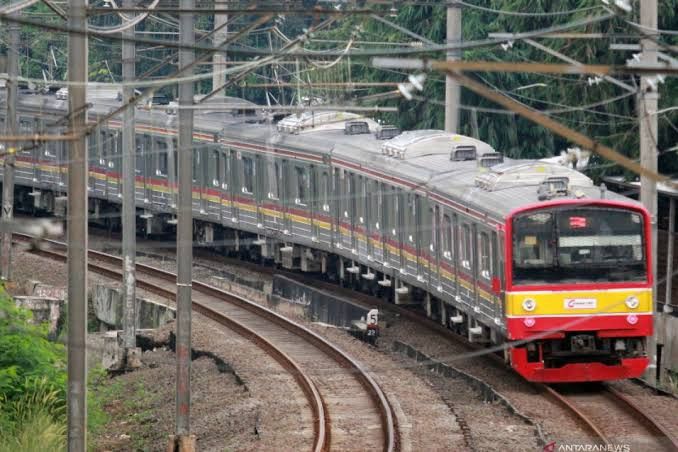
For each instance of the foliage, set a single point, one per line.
(34, 421)
(613, 123)
(26, 355)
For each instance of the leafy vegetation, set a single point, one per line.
(32, 384)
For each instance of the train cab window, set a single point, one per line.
(446, 237)
(274, 176)
(485, 256)
(302, 180)
(466, 250)
(248, 175)
(161, 149)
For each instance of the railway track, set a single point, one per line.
(348, 407)
(613, 417)
(609, 416)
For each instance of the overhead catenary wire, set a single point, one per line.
(306, 52)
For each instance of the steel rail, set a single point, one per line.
(571, 407)
(388, 420)
(310, 390)
(651, 423)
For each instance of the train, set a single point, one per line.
(525, 256)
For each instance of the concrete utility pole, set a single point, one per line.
(219, 58)
(77, 229)
(131, 353)
(10, 129)
(647, 116)
(184, 440)
(452, 88)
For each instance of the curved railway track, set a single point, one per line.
(348, 407)
(608, 415)
(613, 417)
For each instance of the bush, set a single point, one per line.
(35, 421)
(32, 384)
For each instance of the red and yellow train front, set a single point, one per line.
(579, 290)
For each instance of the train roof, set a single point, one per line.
(463, 168)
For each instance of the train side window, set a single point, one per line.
(301, 197)
(466, 244)
(161, 149)
(447, 237)
(485, 260)
(248, 175)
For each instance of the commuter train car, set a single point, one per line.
(524, 253)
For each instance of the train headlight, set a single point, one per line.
(632, 302)
(529, 304)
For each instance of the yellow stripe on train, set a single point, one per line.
(579, 302)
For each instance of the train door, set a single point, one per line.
(214, 183)
(272, 211)
(360, 233)
(336, 205)
(112, 147)
(24, 167)
(373, 220)
(159, 187)
(475, 273)
(196, 188)
(498, 277)
(92, 161)
(260, 188)
(423, 218)
(247, 209)
(172, 165)
(225, 185)
(346, 213)
(392, 234)
(446, 268)
(466, 279)
(409, 237)
(143, 176)
(236, 187)
(99, 161)
(434, 248)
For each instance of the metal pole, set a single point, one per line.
(452, 88)
(77, 230)
(219, 58)
(647, 108)
(128, 199)
(10, 129)
(184, 229)
(669, 258)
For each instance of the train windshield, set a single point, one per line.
(578, 245)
